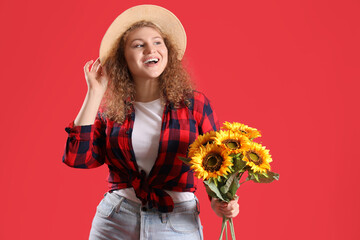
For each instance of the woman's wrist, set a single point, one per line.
(95, 93)
(89, 109)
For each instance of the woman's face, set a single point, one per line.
(145, 53)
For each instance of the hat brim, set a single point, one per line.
(168, 23)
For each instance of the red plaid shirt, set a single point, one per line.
(108, 142)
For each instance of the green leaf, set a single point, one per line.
(185, 160)
(214, 189)
(234, 187)
(209, 192)
(215, 182)
(256, 177)
(226, 187)
(276, 176)
(249, 177)
(238, 164)
(229, 196)
(246, 180)
(271, 177)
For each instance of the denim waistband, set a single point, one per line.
(117, 201)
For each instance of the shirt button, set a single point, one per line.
(144, 209)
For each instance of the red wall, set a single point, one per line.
(288, 68)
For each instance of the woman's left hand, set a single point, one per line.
(224, 209)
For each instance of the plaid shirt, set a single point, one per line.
(109, 142)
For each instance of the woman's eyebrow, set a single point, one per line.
(140, 39)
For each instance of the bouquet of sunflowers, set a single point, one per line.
(221, 158)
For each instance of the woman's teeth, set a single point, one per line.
(152, 60)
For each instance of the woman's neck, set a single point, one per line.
(147, 90)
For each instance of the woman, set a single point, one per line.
(139, 73)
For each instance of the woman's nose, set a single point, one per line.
(150, 49)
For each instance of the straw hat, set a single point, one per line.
(167, 22)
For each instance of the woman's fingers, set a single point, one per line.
(94, 66)
(100, 69)
(231, 214)
(230, 209)
(87, 66)
(97, 68)
(94, 77)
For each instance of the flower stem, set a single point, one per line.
(226, 233)
(231, 223)
(222, 227)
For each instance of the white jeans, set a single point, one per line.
(119, 218)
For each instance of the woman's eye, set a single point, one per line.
(158, 43)
(139, 45)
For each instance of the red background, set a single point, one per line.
(288, 68)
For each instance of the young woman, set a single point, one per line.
(140, 113)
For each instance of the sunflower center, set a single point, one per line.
(212, 162)
(254, 157)
(232, 144)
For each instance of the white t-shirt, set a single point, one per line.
(145, 142)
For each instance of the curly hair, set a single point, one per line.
(174, 83)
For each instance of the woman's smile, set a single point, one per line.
(151, 61)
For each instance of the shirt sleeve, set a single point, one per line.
(85, 145)
(206, 117)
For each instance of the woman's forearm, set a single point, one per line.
(89, 109)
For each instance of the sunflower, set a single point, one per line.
(250, 132)
(233, 142)
(258, 158)
(211, 161)
(202, 140)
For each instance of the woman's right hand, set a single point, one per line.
(97, 81)
(224, 209)
(96, 77)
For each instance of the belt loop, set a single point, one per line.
(197, 205)
(117, 206)
(164, 217)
